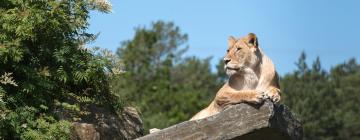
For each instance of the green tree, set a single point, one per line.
(345, 79)
(325, 102)
(45, 68)
(301, 64)
(166, 87)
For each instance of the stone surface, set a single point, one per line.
(103, 124)
(242, 121)
(84, 131)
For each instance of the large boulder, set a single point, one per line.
(103, 124)
(84, 131)
(241, 121)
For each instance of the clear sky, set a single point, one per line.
(326, 28)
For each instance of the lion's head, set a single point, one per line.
(242, 53)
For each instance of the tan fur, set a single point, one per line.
(252, 77)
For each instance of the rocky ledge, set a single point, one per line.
(241, 121)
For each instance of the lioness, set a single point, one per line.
(252, 77)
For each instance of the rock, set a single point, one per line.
(102, 124)
(241, 121)
(132, 125)
(84, 131)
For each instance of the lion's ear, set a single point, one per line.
(231, 41)
(252, 40)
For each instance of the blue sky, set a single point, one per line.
(326, 28)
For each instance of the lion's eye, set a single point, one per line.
(237, 49)
(227, 50)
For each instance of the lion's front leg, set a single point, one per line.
(235, 97)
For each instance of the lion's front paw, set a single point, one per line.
(275, 98)
(257, 97)
(273, 95)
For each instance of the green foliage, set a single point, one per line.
(59, 130)
(45, 70)
(26, 124)
(166, 87)
(326, 102)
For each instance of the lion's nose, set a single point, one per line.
(226, 60)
